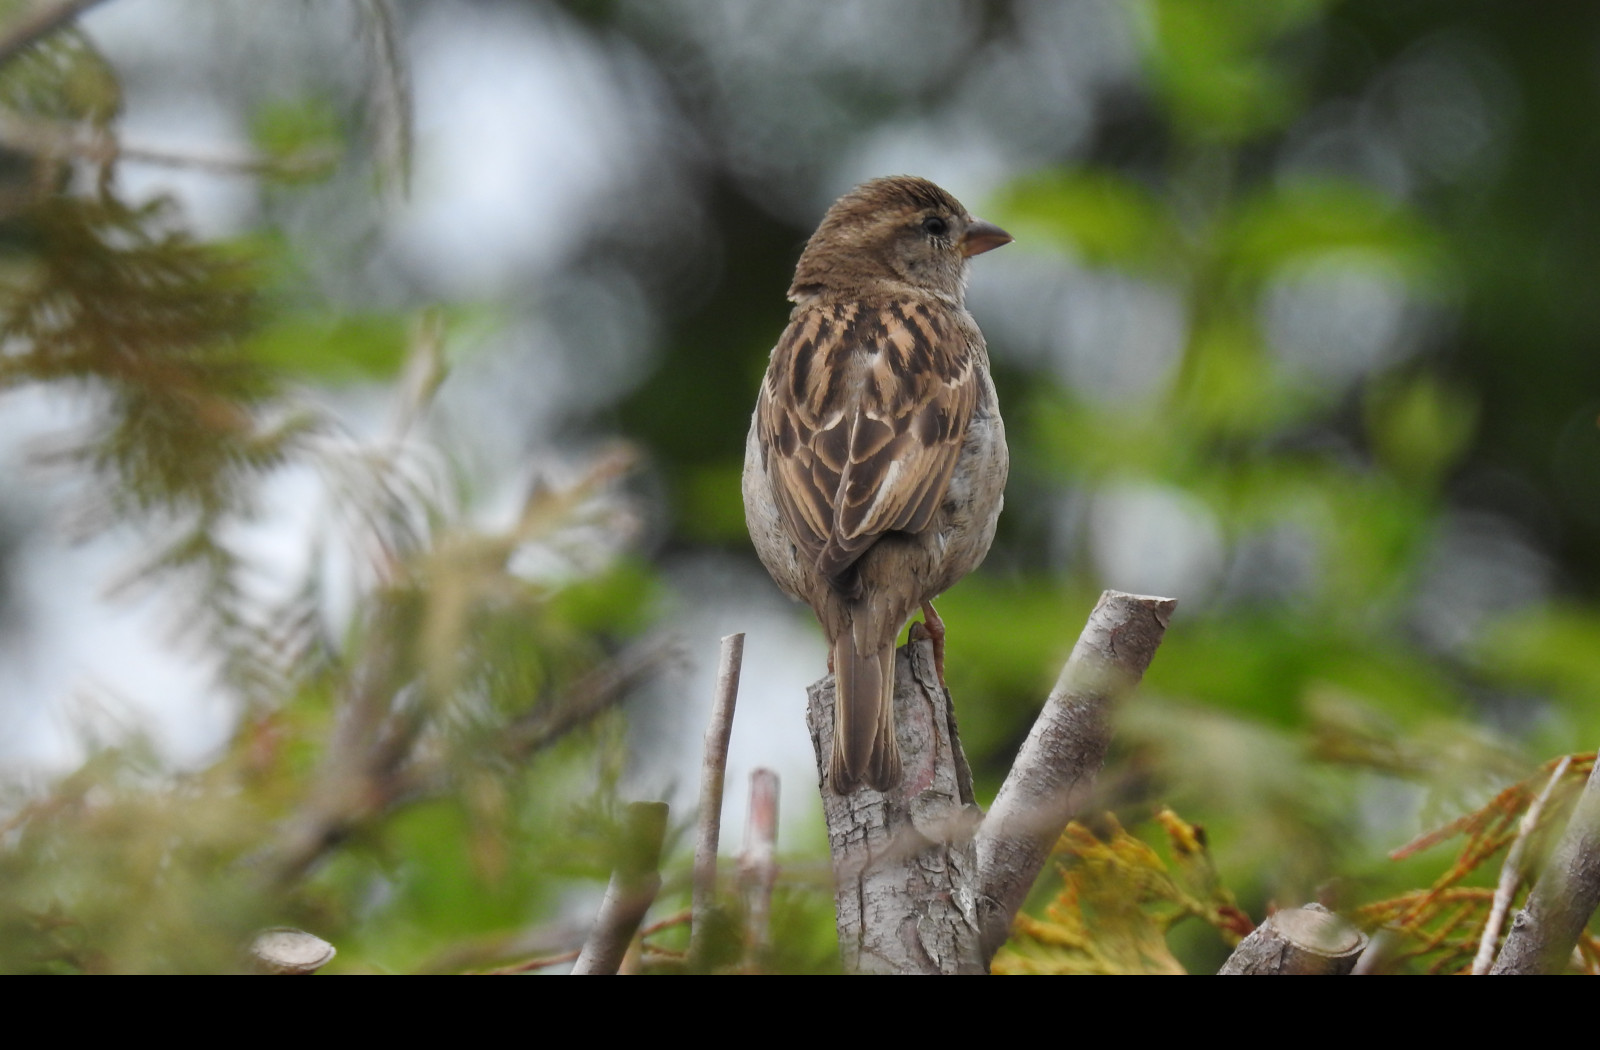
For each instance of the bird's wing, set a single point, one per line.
(861, 420)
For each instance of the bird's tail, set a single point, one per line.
(864, 746)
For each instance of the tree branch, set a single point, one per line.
(1546, 930)
(902, 860)
(921, 886)
(758, 868)
(390, 100)
(1056, 768)
(1308, 941)
(633, 888)
(1512, 870)
(44, 138)
(713, 769)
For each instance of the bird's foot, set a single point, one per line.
(934, 626)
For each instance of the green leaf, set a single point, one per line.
(1301, 218)
(1214, 64)
(713, 506)
(1105, 218)
(334, 347)
(1419, 427)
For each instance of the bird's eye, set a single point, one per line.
(935, 226)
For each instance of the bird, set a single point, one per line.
(876, 461)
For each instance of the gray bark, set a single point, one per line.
(713, 771)
(924, 882)
(633, 888)
(1056, 769)
(903, 862)
(1308, 941)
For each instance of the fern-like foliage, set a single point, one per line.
(1117, 901)
(1439, 929)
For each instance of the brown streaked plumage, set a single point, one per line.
(876, 460)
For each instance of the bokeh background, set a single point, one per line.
(1298, 328)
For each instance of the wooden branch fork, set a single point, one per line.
(925, 881)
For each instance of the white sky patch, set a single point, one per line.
(83, 666)
(1155, 539)
(518, 137)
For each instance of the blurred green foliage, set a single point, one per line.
(419, 774)
(1349, 663)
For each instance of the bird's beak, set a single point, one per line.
(981, 237)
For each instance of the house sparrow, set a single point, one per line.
(876, 461)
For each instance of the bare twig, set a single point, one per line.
(424, 373)
(371, 764)
(758, 870)
(543, 962)
(1376, 956)
(713, 768)
(53, 139)
(303, 162)
(681, 918)
(633, 888)
(588, 697)
(38, 23)
(390, 100)
(1511, 872)
(1057, 766)
(363, 771)
(1546, 929)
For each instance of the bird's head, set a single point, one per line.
(900, 230)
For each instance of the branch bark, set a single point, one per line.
(903, 863)
(713, 771)
(925, 883)
(633, 888)
(1308, 941)
(1545, 931)
(1056, 768)
(390, 100)
(1513, 870)
(758, 866)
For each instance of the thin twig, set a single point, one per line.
(53, 139)
(423, 374)
(590, 696)
(299, 163)
(390, 101)
(633, 888)
(371, 765)
(713, 768)
(39, 23)
(682, 918)
(542, 963)
(758, 870)
(1511, 872)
